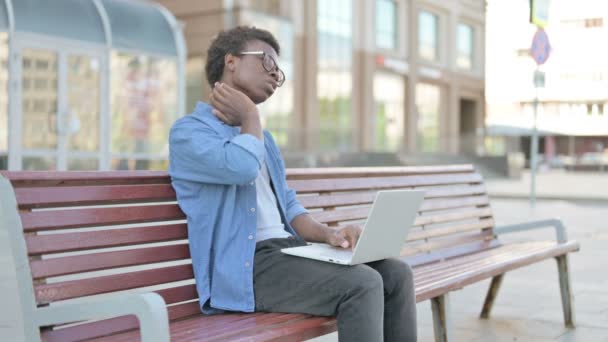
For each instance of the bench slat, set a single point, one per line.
(453, 216)
(378, 183)
(472, 246)
(107, 260)
(457, 228)
(340, 199)
(45, 197)
(329, 172)
(427, 249)
(47, 293)
(296, 330)
(76, 241)
(73, 178)
(519, 259)
(81, 218)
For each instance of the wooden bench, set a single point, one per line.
(104, 255)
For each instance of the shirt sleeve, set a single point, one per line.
(197, 153)
(293, 207)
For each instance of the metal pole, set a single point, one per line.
(534, 145)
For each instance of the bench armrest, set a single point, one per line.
(149, 308)
(557, 224)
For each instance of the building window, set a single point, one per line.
(389, 90)
(465, 47)
(277, 110)
(334, 78)
(428, 99)
(386, 24)
(428, 36)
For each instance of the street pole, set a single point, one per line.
(534, 143)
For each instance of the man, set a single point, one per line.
(230, 181)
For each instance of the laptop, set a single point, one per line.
(383, 235)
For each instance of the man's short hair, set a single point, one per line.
(233, 41)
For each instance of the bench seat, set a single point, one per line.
(80, 237)
(433, 278)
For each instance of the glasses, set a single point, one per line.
(268, 63)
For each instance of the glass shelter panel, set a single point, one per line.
(82, 117)
(4, 122)
(39, 94)
(144, 106)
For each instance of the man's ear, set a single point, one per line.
(230, 62)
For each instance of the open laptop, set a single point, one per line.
(383, 235)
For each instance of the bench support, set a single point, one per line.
(490, 296)
(441, 318)
(563, 269)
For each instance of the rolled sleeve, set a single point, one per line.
(294, 208)
(252, 145)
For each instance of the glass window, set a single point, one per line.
(277, 111)
(428, 99)
(83, 103)
(464, 59)
(144, 106)
(3, 100)
(40, 124)
(428, 35)
(386, 24)
(334, 78)
(389, 90)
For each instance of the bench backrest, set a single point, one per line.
(95, 233)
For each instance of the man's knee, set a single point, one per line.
(364, 279)
(398, 274)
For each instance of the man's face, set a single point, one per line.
(249, 75)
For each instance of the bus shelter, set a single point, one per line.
(88, 84)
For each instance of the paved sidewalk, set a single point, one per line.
(555, 185)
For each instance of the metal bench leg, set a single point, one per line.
(441, 318)
(492, 291)
(566, 290)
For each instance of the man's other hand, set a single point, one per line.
(345, 237)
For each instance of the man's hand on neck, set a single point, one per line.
(235, 108)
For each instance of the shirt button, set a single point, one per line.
(250, 237)
(251, 183)
(252, 210)
(247, 264)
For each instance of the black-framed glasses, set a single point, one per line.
(269, 64)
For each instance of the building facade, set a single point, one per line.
(572, 115)
(379, 76)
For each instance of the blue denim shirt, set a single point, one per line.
(213, 170)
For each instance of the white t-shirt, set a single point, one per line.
(269, 224)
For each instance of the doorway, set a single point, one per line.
(57, 110)
(468, 127)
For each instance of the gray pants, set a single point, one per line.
(372, 302)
